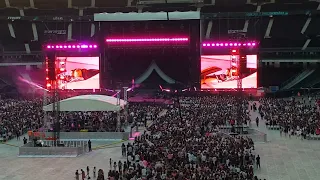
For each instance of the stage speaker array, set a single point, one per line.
(51, 66)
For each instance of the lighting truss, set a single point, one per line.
(229, 44)
(150, 40)
(71, 46)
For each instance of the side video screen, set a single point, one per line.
(80, 73)
(220, 72)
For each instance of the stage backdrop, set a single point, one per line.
(151, 66)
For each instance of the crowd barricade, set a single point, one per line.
(54, 149)
(241, 129)
(313, 137)
(257, 136)
(88, 135)
(273, 127)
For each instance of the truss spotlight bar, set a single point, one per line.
(249, 44)
(71, 46)
(149, 40)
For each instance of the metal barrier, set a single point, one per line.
(256, 136)
(70, 149)
(92, 135)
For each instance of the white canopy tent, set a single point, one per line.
(88, 103)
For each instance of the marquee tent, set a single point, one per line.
(88, 103)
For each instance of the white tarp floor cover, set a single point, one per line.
(88, 103)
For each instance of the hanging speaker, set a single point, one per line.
(51, 59)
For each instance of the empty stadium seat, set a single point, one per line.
(314, 43)
(10, 12)
(271, 76)
(171, 9)
(4, 32)
(230, 8)
(81, 30)
(257, 28)
(273, 7)
(220, 27)
(313, 28)
(82, 3)
(117, 3)
(19, 3)
(35, 46)
(42, 26)
(23, 30)
(2, 4)
(286, 31)
(50, 12)
(45, 4)
(91, 11)
(15, 46)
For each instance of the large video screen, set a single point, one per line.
(220, 72)
(80, 73)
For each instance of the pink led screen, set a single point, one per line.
(81, 73)
(229, 44)
(71, 46)
(150, 40)
(219, 72)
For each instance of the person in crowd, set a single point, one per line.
(89, 145)
(94, 172)
(25, 140)
(258, 161)
(77, 175)
(88, 171)
(83, 175)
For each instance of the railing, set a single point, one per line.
(256, 136)
(76, 136)
(70, 149)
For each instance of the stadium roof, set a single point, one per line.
(88, 103)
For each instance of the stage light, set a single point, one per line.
(48, 85)
(230, 44)
(47, 69)
(72, 46)
(62, 77)
(62, 69)
(47, 78)
(116, 40)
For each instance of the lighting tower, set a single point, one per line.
(56, 110)
(125, 98)
(240, 37)
(118, 113)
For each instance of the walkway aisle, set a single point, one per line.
(284, 158)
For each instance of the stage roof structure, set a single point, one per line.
(88, 103)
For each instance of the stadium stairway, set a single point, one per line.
(297, 79)
(309, 81)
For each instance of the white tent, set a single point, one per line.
(88, 103)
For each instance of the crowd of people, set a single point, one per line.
(293, 116)
(184, 144)
(19, 116)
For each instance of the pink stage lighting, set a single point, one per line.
(137, 40)
(229, 44)
(72, 46)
